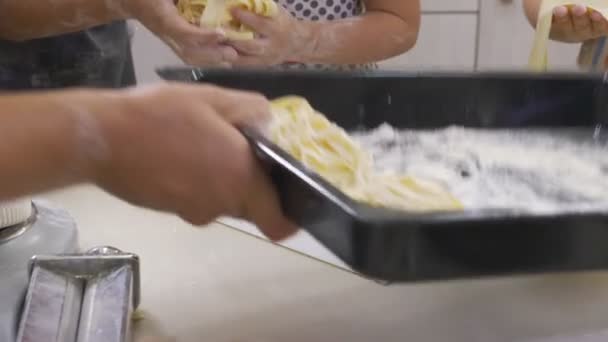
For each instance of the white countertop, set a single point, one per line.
(219, 284)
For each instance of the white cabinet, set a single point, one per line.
(449, 5)
(445, 42)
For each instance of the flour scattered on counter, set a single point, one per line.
(525, 170)
(137, 315)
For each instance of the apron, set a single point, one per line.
(97, 57)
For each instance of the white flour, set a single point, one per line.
(535, 171)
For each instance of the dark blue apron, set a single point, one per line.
(98, 57)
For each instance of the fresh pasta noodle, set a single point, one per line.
(216, 14)
(191, 10)
(538, 57)
(328, 150)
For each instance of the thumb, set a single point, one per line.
(259, 24)
(165, 21)
(263, 207)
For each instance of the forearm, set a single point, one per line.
(49, 140)
(371, 37)
(28, 19)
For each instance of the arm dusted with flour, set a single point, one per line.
(386, 29)
(154, 147)
(40, 147)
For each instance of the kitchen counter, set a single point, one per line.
(219, 284)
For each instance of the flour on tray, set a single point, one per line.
(525, 170)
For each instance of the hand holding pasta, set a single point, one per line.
(217, 14)
(282, 38)
(572, 20)
(328, 150)
(194, 45)
(577, 23)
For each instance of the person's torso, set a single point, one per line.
(97, 57)
(324, 10)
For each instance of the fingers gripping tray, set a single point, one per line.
(399, 246)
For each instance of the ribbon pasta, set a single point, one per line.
(539, 57)
(216, 14)
(328, 150)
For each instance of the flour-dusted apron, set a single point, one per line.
(97, 57)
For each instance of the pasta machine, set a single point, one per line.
(49, 291)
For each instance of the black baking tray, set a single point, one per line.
(402, 247)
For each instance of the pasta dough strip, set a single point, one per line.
(216, 14)
(539, 59)
(191, 10)
(328, 150)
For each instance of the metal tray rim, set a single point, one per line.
(199, 74)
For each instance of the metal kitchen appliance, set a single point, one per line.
(81, 297)
(397, 246)
(70, 297)
(29, 228)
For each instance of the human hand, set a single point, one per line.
(194, 45)
(577, 24)
(174, 147)
(279, 39)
